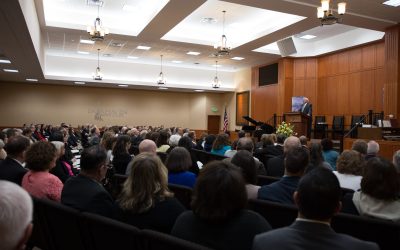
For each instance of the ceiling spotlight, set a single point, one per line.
(31, 79)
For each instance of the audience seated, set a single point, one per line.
(246, 162)
(329, 154)
(380, 188)
(121, 156)
(178, 163)
(173, 142)
(276, 165)
(349, 169)
(281, 191)
(40, 158)
(145, 146)
(219, 219)
(94, 136)
(16, 211)
(318, 199)
(186, 142)
(11, 169)
(316, 158)
(361, 147)
(268, 146)
(221, 144)
(209, 142)
(108, 141)
(162, 141)
(145, 201)
(3, 153)
(372, 149)
(85, 192)
(247, 144)
(63, 170)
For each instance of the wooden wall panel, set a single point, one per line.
(311, 68)
(380, 55)
(354, 93)
(343, 60)
(367, 90)
(300, 68)
(368, 57)
(355, 59)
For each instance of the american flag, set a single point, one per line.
(225, 121)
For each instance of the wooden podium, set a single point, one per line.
(300, 122)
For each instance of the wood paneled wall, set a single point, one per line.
(343, 83)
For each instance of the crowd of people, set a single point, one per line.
(311, 177)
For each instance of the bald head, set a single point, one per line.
(373, 147)
(148, 146)
(305, 100)
(245, 143)
(291, 142)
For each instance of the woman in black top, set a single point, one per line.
(121, 154)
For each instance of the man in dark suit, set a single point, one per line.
(275, 165)
(11, 169)
(296, 161)
(306, 109)
(85, 191)
(318, 199)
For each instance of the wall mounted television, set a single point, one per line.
(268, 74)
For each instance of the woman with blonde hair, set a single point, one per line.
(145, 201)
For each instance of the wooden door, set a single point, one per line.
(213, 123)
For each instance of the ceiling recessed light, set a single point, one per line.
(107, 55)
(122, 85)
(216, 65)
(238, 58)
(83, 52)
(394, 3)
(116, 44)
(199, 90)
(5, 61)
(193, 53)
(176, 61)
(94, 3)
(308, 37)
(162, 88)
(143, 47)
(31, 79)
(11, 70)
(85, 41)
(80, 83)
(133, 57)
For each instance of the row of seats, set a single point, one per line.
(385, 233)
(57, 227)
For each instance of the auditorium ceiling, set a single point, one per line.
(47, 39)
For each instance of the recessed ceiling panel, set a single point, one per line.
(242, 24)
(125, 17)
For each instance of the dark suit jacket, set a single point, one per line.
(87, 195)
(302, 235)
(307, 109)
(276, 167)
(280, 191)
(11, 170)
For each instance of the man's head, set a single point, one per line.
(360, 146)
(16, 147)
(93, 162)
(305, 100)
(296, 161)
(245, 143)
(15, 216)
(318, 195)
(148, 146)
(303, 140)
(241, 134)
(373, 148)
(291, 142)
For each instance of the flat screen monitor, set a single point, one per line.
(268, 74)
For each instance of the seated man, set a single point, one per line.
(11, 169)
(318, 199)
(15, 216)
(85, 191)
(276, 165)
(281, 191)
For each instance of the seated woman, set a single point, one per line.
(379, 192)
(162, 142)
(316, 158)
(330, 155)
(145, 201)
(221, 144)
(219, 219)
(245, 161)
(178, 164)
(349, 169)
(63, 170)
(40, 158)
(121, 156)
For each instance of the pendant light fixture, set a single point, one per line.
(216, 82)
(98, 75)
(161, 79)
(221, 48)
(97, 32)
